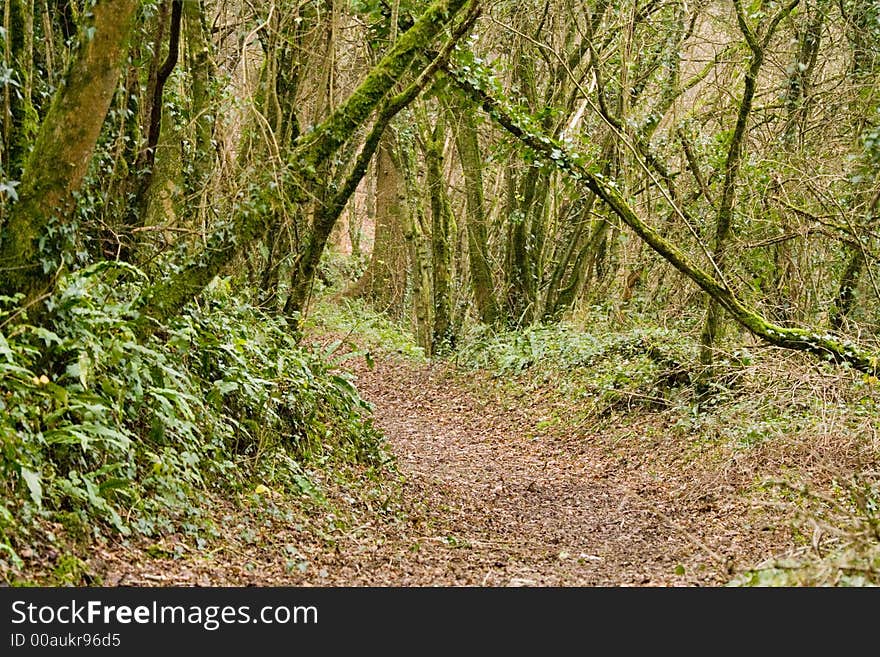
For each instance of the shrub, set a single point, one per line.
(114, 432)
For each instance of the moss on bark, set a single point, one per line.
(326, 139)
(61, 155)
(312, 151)
(384, 281)
(821, 344)
(442, 227)
(478, 258)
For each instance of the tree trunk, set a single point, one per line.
(442, 238)
(417, 246)
(863, 67)
(202, 71)
(712, 324)
(556, 153)
(21, 121)
(478, 240)
(846, 292)
(166, 299)
(797, 94)
(384, 281)
(328, 213)
(326, 139)
(62, 153)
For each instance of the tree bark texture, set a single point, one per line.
(61, 155)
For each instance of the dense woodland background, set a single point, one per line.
(666, 207)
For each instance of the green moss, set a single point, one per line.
(166, 299)
(70, 570)
(471, 162)
(342, 124)
(824, 346)
(61, 154)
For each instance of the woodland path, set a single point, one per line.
(530, 505)
(492, 495)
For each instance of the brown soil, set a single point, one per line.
(496, 489)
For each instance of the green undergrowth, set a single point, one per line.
(603, 370)
(837, 532)
(841, 536)
(355, 319)
(103, 433)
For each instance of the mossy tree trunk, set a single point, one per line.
(167, 21)
(203, 110)
(326, 139)
(862, 35)
(482, 281)
(329, 211)
(61, 155)
(442, 238)
(384, 281)
(163, 202)
(417, 244)
(797, 96)
(20, 117)
(556, 153)
(273, 133)
(311, 152)
(846, 292)
(574, 263)
(526, 201)
(712, 324)
(357, 219)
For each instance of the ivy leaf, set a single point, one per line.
(47, 336)
(8, 187)
(305, 485)
(80, 369)
(225, 387)
(32, 479)
(5, 350)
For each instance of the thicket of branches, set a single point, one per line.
(503, 164)
(499, 174)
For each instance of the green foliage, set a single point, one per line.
(336, 270)
(560, 346)
(70, 571)
(871, 142)
(97, 426)
(375, 330)
(377, 16)
(476, 74)
(601, 369)
(767, 409)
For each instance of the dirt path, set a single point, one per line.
(531, 505)
(493, 496)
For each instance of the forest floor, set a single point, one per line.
(494, 485)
